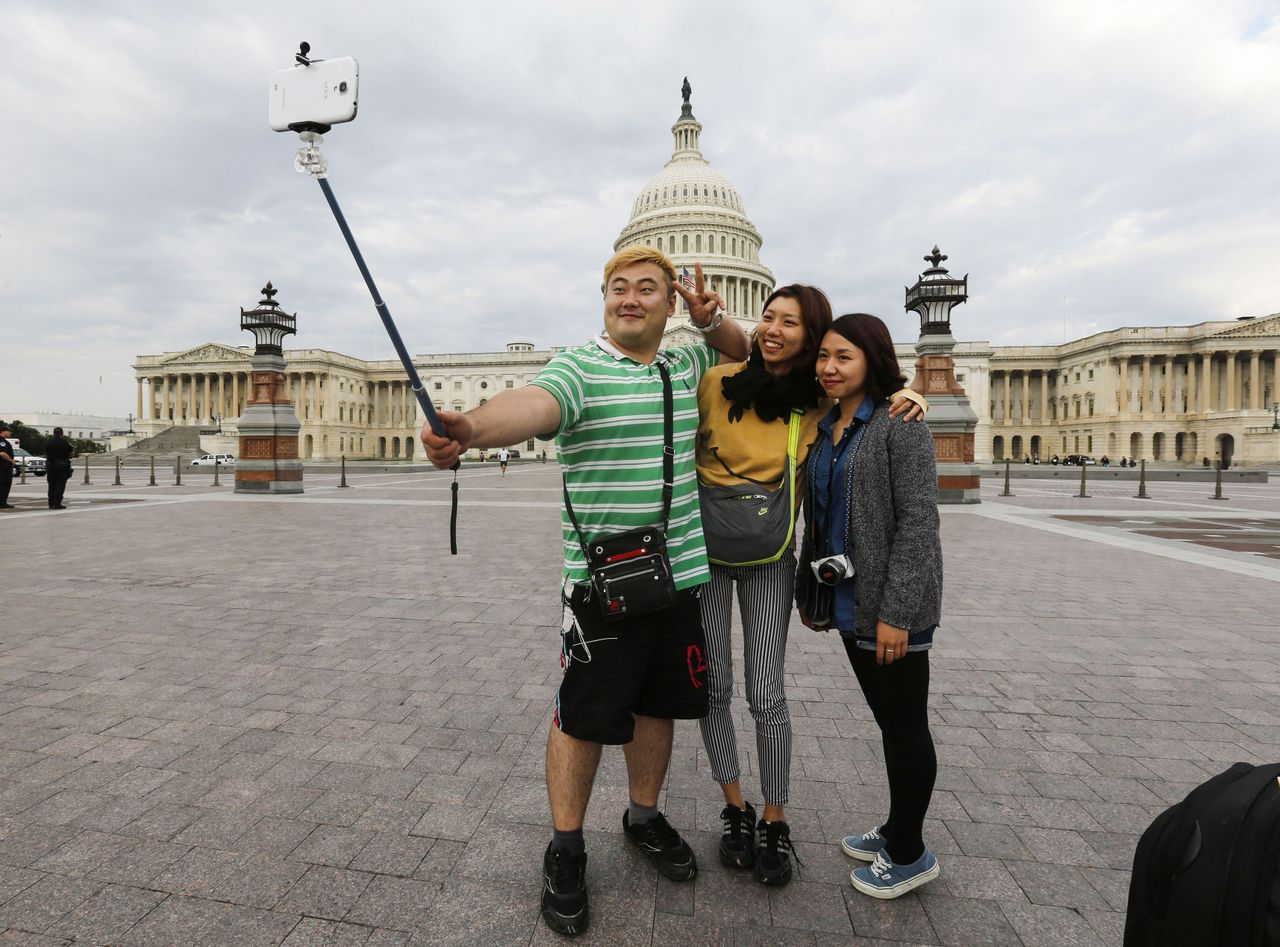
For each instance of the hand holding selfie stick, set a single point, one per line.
(311, 94)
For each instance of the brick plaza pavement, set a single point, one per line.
(229, 720)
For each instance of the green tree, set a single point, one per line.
(82, 445)
(29, 438)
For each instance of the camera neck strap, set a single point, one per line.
(668, 462)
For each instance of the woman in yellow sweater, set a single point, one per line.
(747, 411)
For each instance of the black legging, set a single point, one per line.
(898, 695)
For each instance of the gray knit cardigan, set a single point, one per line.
(893, 527)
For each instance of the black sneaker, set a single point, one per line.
(738, 843)
(664, 846)
(774, 853)
(564, 891)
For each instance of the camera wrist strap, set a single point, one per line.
(668, 464)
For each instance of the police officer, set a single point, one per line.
(57, 459)
(6, 466)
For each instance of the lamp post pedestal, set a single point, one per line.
(952, 420)
(268, 457)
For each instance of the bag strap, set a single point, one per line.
(668, 462)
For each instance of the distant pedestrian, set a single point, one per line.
(504, 455)
(57, 455)
(7, 464)
(1055, 460)
(1026, 458)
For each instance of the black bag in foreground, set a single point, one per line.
(630, 571)
(1207, 871)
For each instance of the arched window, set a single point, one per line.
(697, 244)
(659, 243)
(686, 191)
(684, 241)
(722, 244)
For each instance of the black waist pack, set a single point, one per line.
(631, 572)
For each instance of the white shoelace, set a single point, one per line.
(881, 866)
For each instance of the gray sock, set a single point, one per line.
(639, 815)
(571, 842)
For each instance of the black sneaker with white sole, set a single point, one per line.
(774, 853)
(738, 843)
(564, 891)
(666, 849)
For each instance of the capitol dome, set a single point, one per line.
(694, 214)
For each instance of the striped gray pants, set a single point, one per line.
(764, 600)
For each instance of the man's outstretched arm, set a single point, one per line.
(508, 418)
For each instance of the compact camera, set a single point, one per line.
(832, 570)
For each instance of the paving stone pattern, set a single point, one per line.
(299, 721)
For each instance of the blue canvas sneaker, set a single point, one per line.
(864, 847)
(885, 880)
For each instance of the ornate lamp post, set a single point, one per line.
(951, 419)
(268, 461)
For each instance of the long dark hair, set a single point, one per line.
(871, 335)
(815, 313)
(775, 398)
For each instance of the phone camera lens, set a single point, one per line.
(342, 87)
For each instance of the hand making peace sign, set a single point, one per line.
(703, 303)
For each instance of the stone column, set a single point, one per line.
(1255, 379)
(1044, 397)
(1206, 383)
(1026, 397)
(139, 414)
(164, 398)
(1168, 386)
(235, 393)
(1233, 383)
(1144, 396)
(1008, 397)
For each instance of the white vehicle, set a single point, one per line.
(25, 460)
(214, 460)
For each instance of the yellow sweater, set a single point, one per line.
(752, 447)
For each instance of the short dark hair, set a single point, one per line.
(57, 432)
(871, 335)
(815, 312)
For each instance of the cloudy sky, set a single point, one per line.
(1088, 162)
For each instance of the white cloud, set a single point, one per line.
(1118, 156)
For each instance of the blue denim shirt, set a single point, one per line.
(831, 501)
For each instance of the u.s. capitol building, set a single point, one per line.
(1173, 394)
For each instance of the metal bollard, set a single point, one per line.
(343, 482)
(177, 471)
(216, 465)
(117, 483)
(1217, 478)
(1082, 495)
(86, 470)
(1007, 491)
(22, 474)
(1142, 482)
(153, 471)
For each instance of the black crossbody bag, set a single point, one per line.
(631, 572)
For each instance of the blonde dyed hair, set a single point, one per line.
(640, 254)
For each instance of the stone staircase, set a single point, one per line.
(179, 439)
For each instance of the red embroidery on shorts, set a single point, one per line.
(697, 664)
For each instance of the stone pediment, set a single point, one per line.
(209, 353)
(1264, 327)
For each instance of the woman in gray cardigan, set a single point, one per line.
(871, 567)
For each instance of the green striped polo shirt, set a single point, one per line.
(610, 447)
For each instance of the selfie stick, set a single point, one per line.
(311, 161)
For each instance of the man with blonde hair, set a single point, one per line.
(626, 681)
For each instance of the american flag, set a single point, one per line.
(686, 278)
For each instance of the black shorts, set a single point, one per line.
(502, 463)
(653, 665)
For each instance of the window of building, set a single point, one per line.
(684, 242)
(511, 384)
(722, 245)
(659, 243)
(697, 244)
(1091, 374)
(484, 384)
(959, 377)
(457, 386)
(1077, 378)
(439, 385)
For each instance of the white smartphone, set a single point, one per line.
(323, 93)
